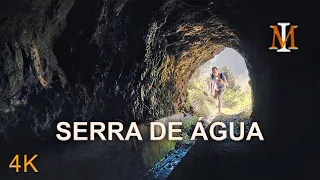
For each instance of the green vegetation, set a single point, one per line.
(154, 151)
(188, 124)
(237, 98)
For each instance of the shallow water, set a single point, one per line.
(163, 168)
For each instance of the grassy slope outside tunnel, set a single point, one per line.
(237, 99)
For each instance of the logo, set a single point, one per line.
(283, 37)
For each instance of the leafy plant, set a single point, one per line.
(188, 122)
(187, 128)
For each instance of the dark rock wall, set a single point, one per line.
(97, 60)
(28, 65)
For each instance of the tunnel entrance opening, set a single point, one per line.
(200, 105)
(236, 99)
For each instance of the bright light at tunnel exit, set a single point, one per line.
(236, 99)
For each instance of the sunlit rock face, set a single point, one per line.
(86, 60)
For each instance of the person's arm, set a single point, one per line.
(210, 86)
(223, 80)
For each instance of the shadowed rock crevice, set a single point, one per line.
(76, 53)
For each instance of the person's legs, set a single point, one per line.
(220, 96)
(215, 94)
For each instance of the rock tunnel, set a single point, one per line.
(131, 60)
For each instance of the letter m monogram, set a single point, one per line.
(283, 38)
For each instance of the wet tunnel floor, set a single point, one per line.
(163, 168)
(211, 160)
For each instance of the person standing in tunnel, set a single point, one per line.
(220, 86)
